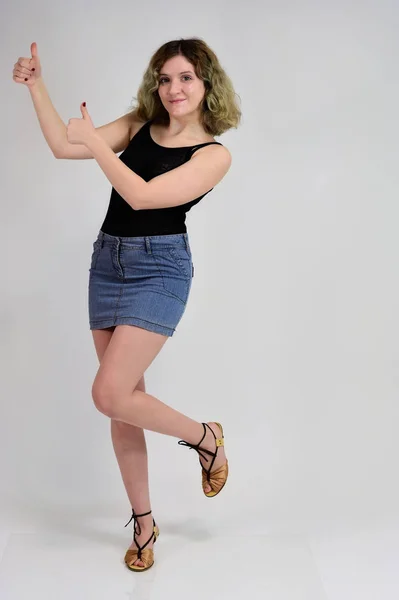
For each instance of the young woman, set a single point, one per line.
(141, 265)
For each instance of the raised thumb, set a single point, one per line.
(33, 49)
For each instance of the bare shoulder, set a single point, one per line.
(214, 151)
(215, 159)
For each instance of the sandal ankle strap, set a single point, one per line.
(136, 516)
(196, 447)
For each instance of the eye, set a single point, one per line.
(166, 79)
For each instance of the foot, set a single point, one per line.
(209, 443)
(147, 529)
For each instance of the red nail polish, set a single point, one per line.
(33, 69)
(26, 79)
(84, 103)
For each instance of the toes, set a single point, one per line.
(138, 563)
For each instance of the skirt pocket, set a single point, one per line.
(175, 268)
(183, 260)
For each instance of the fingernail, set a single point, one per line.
(33, 69)
(84, 103)
(26, 79)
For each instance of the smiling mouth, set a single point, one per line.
(176, 101)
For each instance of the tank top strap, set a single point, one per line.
(194, 148)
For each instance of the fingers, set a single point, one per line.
(22, 67)
(27, 70)
(21, 79)
(23, 70)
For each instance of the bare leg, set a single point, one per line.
(131, 453)
(148, 412)
(128, 355)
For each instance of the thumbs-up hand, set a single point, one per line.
(79, 131)
(28, 70)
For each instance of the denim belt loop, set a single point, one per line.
(148, 244)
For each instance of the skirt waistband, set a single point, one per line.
(148, 241)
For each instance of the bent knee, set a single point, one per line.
(104, 398)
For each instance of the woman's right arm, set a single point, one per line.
(116, 134)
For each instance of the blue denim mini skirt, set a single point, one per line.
(143, 281)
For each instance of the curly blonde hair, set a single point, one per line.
(220, 111)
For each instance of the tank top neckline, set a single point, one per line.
(149, 123)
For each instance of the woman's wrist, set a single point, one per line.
(36, 85)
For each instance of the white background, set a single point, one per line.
(290, 336)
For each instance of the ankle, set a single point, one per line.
(209, 441)
(143, 521)
(196, 435)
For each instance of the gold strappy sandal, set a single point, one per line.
(216, 479)
(140, 553)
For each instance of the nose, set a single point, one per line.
(174, 88)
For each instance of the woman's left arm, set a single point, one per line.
(178, 186)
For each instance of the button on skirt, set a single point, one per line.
(143, 281)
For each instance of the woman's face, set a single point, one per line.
(178, 81)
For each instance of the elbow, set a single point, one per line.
(134, 204)
(57, 153)
(137, 202)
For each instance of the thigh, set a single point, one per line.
(129, 352)
(101, 339)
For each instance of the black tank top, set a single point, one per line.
(148, 159)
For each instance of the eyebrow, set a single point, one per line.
(167, 74)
